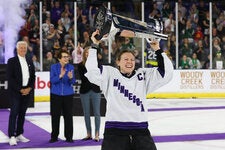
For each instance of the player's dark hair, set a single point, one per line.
(118, 57)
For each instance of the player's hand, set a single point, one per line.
(155, 44)
(94, 40)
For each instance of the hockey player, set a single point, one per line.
(125, 89)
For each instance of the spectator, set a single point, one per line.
(32, 18)
(186, 48)
(216, 46)
(215, 33)
(89, 94)
(52, 37)
(56, 12)
(67, 11)
(206, 64)
(37, 65)
(64, 48)
(128, 44)
(79, 14)
(201, 51)
(220, 23)
(198, 34)
(34, 37)
(155, 12)
(45, 31)
(34, 7)
(45, 13)
(62, 80)
(91, 16)
(216, 12)
(193, 15)
(206, 22)
(71, 33)
(206, 43)
(182, 9)
(103, 55)
(194, 62)
(69, 45)
(166, 10)
(66, 21)
(184, 63)
(171, 44)
(48, 61)
(25, 29)
(181, 24)
(30, 51)
(46, 26)
(218, 61)
(21, 78)
(61, 30)
(56, 48)
(188, 32)
(82, 27)
(223, 46)
(169, 24)
(77, 54)
(202, 8)
(87, 41)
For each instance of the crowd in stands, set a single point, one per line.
(193, 25)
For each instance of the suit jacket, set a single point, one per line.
(14, 74)
(86, 85)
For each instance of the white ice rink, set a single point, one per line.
(167, 117)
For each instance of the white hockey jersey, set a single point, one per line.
(126, 97)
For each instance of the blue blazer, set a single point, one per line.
(61, 86)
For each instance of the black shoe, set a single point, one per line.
(69, 140)
(87, 138)
(53, 140)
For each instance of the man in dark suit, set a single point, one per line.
(21, 78)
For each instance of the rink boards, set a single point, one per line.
(184, 84)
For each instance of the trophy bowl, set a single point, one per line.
(102, 22)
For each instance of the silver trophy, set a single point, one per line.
(109, 23)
